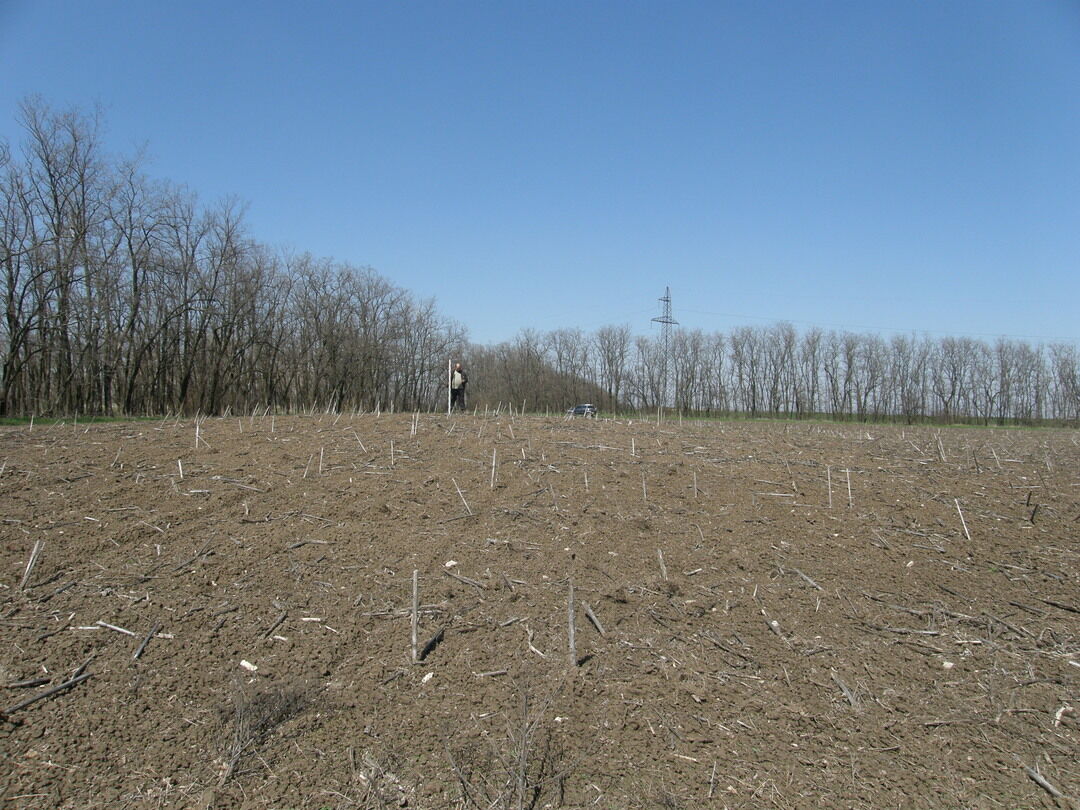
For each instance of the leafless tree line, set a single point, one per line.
(776, 370)
(122, 294)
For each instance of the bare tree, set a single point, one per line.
(1065, 366)
(25, 278)
(747, 360)
(871, 369)
(716, 383)
(808, 376)
(687, 361)
(62, 203)
(779, 343)
(908, 361)
(613, 354)
(648, 379)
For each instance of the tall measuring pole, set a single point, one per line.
(666, 322)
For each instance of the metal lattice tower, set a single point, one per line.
(666, 322)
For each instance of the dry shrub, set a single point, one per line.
(517, 767)
(255, 716)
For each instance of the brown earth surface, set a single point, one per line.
(765, 614)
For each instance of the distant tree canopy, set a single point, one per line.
(775, 371)
(123, 295)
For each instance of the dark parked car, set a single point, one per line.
(588, 409)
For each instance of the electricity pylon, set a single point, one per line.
(666, 322)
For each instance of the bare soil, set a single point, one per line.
(782, 615)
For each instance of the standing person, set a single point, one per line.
(458, 380)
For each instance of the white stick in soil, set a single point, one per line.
(38, 546)
(415, 609)
(850, 503)
(180, 465)
(963, 522)
(391, 452)
(644, 493)
(570, 626)
(460, 495)
(593, 618)
(493, 468)
(108, 626)
(828, 478)
(663, 568)
(1040, 780)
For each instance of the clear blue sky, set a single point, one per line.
(851, 164)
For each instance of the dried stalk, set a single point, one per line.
(276, 624)
(47, 693)
(415, 610)
(847, 692)
(963, 522)
(34, 554)
(806, 579)
(593, 618)
(466, 580)
(108, 626)
(460, 495)
(570, 625)
(146, 641)
(1039, 780)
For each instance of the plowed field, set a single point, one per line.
(221, 614)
